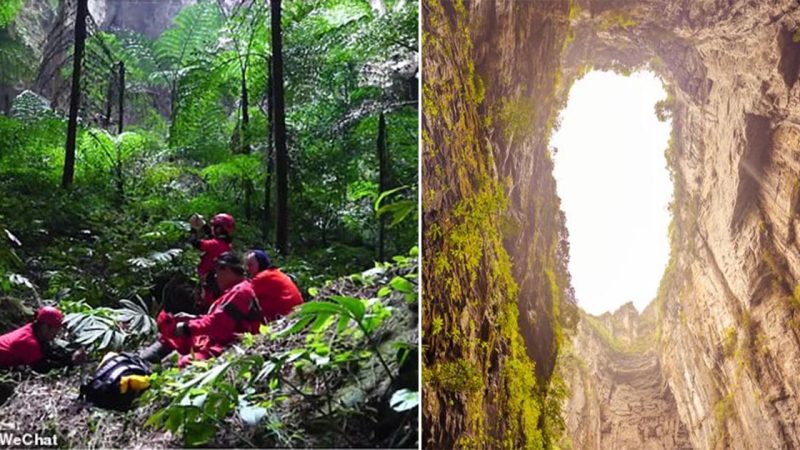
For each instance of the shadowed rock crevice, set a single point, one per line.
(789, 65)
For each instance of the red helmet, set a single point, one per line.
(50, 316)
(225, 221)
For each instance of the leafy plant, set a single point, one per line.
(9, 10)
(104, 328)
(399, 210)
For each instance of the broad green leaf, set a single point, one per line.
(353, 305)
(297, 326)
(400, 284)
(384, 291)
(322, 323)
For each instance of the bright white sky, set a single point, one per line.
(614, 188)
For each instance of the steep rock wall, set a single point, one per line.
(729, 346)
(46, 29)
(726, 347)
(495, 279)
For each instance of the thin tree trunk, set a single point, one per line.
(269, 155)
(109, 100)
(383, 182)
(245, 114)
(245, 137)
(279, 124)
(75, 94)
(121, 123)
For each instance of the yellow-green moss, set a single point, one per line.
(616, 18)
(729, 342)
(723, 411)
(456, 376)
(517, 116)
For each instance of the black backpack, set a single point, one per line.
(103, 389)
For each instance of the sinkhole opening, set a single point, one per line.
(615, 188)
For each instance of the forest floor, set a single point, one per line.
(360, 417)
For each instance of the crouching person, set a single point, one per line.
(235, 312)
(34, 344)
(276, 292)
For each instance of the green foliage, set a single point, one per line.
(16, 59)
(399, 210)
(322, 341)
(663, 108)
(101, 329)
(9, 10)
(105, 248)
(723, 411)
(194, 30)
(204, 395)
(518, 116)
(574, 10)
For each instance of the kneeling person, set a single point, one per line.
(33, 344)
(276, 292)
(236, 311)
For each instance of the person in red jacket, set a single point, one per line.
(32, 344)
(276, 292)
(233, 313)
(220, 233)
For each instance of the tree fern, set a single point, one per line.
(193, 32)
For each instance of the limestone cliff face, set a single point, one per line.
(729, 346)
(46, 29)
(495, 280)
(620, 397)
(722, 368)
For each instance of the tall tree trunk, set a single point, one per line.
(279, 130)
(120, 127)
(383, 182)
(75, 94)
(110, 92)
(245, 114)
(269, 155)
(245, 137)
(121, 123)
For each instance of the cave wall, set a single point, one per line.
(729, 347)
(620, 397)
(494, 243)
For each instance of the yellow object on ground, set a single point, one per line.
(134, 382)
